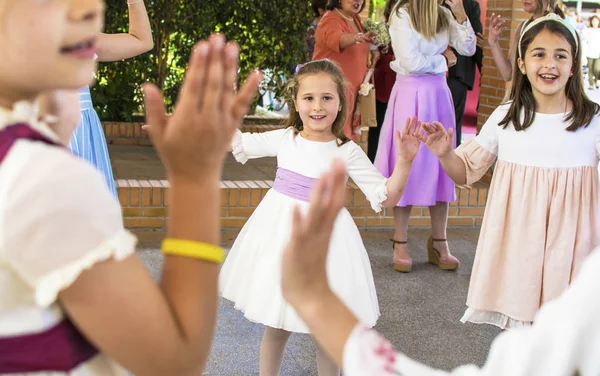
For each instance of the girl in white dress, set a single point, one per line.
(305, 149)
(543, 209)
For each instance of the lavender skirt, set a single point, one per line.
(428, 98)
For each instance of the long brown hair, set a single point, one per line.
(324, 66)
(521, 96)
(426, 16)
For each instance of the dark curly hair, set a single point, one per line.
(337, 4)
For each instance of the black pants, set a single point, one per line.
(374, 132)
(459, 97)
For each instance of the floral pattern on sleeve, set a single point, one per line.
(367, 353)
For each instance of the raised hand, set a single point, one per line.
(369, 36)
(438, 140)
(495, 29)
(408, 142)
(450, 57)
(193, 141)
(304, 275)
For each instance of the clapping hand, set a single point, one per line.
(439, 141)
(409, 141)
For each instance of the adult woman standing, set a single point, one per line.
(340, 37)
(421, 31)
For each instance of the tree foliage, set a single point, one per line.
(270, 35)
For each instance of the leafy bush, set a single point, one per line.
(270, 34)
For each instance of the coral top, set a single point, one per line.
(352, 60)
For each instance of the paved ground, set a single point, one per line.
(419, 312)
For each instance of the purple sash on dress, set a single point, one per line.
(59, 349)
(293, 184)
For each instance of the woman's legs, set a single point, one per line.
(401, 217)
(325, 365)
(272, 348)
(439, 224)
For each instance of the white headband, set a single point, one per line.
(548, 17)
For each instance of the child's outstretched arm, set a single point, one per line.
(407, 146)
(167, 329)
(440, 142)
(115, 47)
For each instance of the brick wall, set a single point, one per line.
(145, 203)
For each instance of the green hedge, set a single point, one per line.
(270, 33)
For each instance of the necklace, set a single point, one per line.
(341, 14)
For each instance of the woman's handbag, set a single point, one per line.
(366, 101)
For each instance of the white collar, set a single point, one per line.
(26, 112)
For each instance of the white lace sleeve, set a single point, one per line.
(257, 145)
(366, 176)
(59, 219)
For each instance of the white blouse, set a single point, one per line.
(416, 55)
(563, 341)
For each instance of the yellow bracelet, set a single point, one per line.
(189, 248)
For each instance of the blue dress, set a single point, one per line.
(88, 141)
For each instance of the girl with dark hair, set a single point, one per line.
(537, 8)
(543, 208)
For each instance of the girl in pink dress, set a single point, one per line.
(542, 213)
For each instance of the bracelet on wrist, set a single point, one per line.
(193, 249)
(134, 2)
(356, 37)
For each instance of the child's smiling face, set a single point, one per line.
(318, 102)
(548, 64)
(47, 44)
